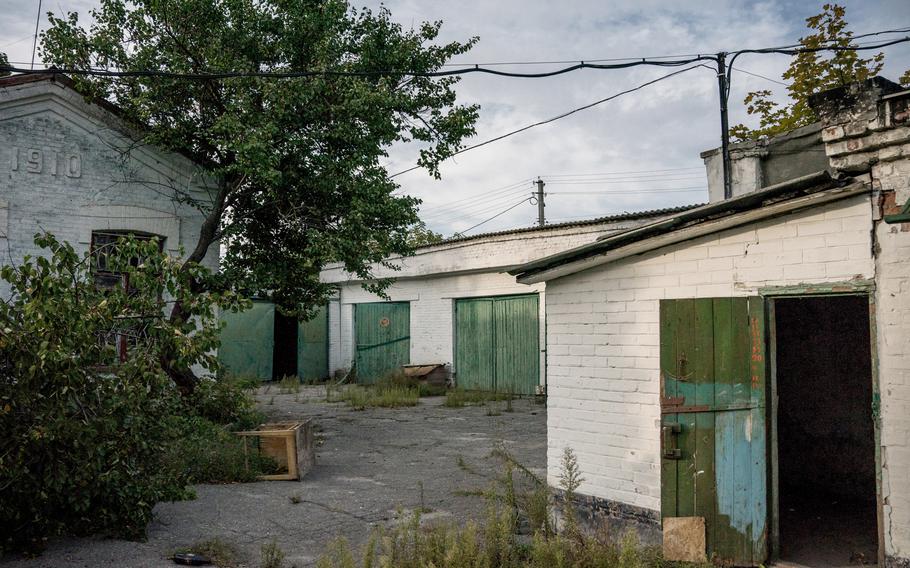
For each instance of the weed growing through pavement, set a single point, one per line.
(289, 384)
(495, 543)
(271, 556)
(380, 395)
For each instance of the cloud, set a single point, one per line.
(662, 127)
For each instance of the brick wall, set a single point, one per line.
(603, 333)
(433, 278)
(63, 169)
(868, 131)
(432, 309)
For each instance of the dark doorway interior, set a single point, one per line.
(825, 433)
(284, 355)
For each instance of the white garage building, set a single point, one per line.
(735, 379)
(453, 303)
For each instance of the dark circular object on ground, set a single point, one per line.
(190, 559)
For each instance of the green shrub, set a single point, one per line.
(206, 452)
(86, 437)
(223, 401)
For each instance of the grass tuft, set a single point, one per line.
(361, 397)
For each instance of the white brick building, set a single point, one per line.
(438, 278)
(740, 372)
(73, 168)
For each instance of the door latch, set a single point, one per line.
(669, 441)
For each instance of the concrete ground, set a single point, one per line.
(369, 464)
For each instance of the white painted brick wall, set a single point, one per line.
(435, 276)
(893, 336)
(605, 404)
(108, 192)
(862, 138)
(432, 308)
(492, 253)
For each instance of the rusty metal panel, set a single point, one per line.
(713, 428)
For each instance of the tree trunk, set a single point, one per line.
(182, 375)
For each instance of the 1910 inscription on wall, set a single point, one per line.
(40, 161)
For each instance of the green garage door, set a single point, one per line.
(248, 340)
(313, 347)
(497, 344)
(383, 338)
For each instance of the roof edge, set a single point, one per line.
(797, 187)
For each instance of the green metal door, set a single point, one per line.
(497, 343)
(474, 344)
(248, 341)
(713, 451)
(383, 338)
(313, 347)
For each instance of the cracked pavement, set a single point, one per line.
(369, 465)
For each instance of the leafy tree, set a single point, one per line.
(421, 235)
(86, 427)
(4, 61)
(297, 163)
(810, 73)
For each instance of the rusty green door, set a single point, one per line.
(313, 347)
(248, 341)
(497, 343)
(713, 450)
(382, 337)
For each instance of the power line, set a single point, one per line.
(623, 173)
(474, 214)
(741, 70)
(633, 191)
(622, 181)
(503, 212)
(108, 72)
(480, 206)
(483, 194)
(563, 115)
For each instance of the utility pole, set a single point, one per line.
(541, 220)
(724, 125)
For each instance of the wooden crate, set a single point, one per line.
(288, 443)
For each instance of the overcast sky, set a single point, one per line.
(641, 150)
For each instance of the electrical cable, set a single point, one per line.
(458, 208)
(634, 191)
(103, 72)
(563, 115)
(642, 172)
(503, 212)
(741, 70)
(469, 215)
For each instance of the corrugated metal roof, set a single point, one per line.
(568, 224)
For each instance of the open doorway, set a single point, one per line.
(825, 431)
(284, 355)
